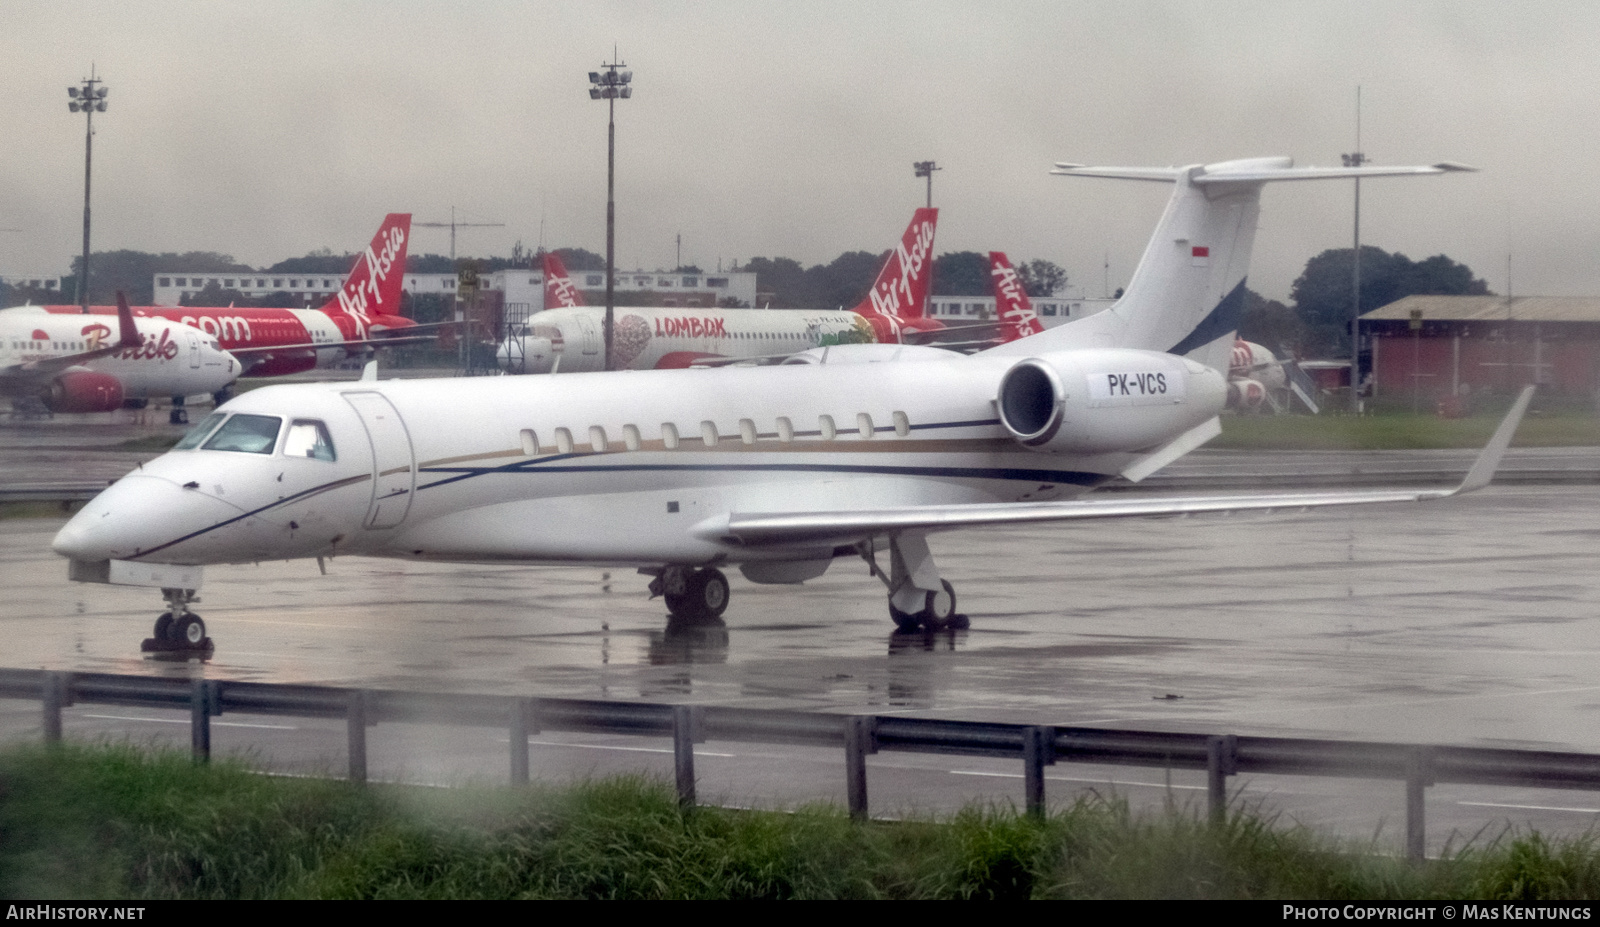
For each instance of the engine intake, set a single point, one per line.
(84, 391)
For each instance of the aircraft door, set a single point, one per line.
(194, 349)
(393, 462)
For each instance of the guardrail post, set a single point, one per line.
(201, 699)
(684, 723)
(356, 728)
(53, 696)
(523, 723)
(1222, 761)
(1418, 777)
(1038, 751)
(859, 740)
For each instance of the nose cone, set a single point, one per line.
(146, 516)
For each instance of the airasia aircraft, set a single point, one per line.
(273, 342)
(571, 338)
(73, 363)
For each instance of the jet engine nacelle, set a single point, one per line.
(1106, 401)
(1246, 395)
(84, 391)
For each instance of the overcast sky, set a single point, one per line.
(268, 129)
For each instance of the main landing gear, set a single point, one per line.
(691, 594)
(179, 630)
(918, 598)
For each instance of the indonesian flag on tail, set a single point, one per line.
(559, 293)
(1012, 306)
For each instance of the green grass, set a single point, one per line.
(117, 823)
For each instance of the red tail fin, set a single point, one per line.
(902, 286)
(1012, 306)
(374, 284)
(559, 293)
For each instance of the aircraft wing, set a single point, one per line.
(244, 353)
(45, 368)
(843, 527)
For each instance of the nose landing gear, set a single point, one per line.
(179, 630)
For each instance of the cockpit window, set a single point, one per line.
(252, 434)
(308, 439)
(198, 433)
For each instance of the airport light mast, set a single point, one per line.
(89, 99)
(608, 85)
(1356, 159)
(926, 169)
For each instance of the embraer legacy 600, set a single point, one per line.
(778, 470)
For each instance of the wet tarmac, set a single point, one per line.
(1470, 621)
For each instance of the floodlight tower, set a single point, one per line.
(609, 84)
(89, 99)
(926, 169)
(1356, 159)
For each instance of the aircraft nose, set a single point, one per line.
(140, 514)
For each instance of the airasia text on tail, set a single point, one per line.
(902, 286)
(375, 282)
(1017, 316)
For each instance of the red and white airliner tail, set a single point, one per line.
(897, 303)
(559, 292)
(274, 342)
(1014, 309)
(371, 291)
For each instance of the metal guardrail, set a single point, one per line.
(859, 736)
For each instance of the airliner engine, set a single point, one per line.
(84, 391)
(1096, 402)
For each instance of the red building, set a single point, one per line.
(1433, 347)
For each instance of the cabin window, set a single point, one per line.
(630, 437)
(308, 439)
(828, 431)
(249, 434)
(199, 432)
(708, 433)
(864, 424)
(669, 436)
(747, 431)
(563, 441)
(785, 429)
(597, 439)
(530, 443)
(902, 424)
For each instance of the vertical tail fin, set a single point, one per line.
(903, 284)
(1012, 306)
(559, 293)
(373, 286)
(1187, 295)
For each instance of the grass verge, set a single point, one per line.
(117, 823)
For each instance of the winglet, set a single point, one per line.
(130, 337)
(1489, 458)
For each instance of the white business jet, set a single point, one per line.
(776, 470)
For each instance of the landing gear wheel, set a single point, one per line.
(163, 628)
(704, 597)
(938, 612)
(189, 631)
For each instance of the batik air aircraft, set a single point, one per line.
(1252, 369)
(80, 364)
(776, 470)
(571, 338)
(276, 342)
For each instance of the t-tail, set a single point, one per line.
(559, 293)
(1011, 303)
(1187, 295)
(901, 290)
(373, 287)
